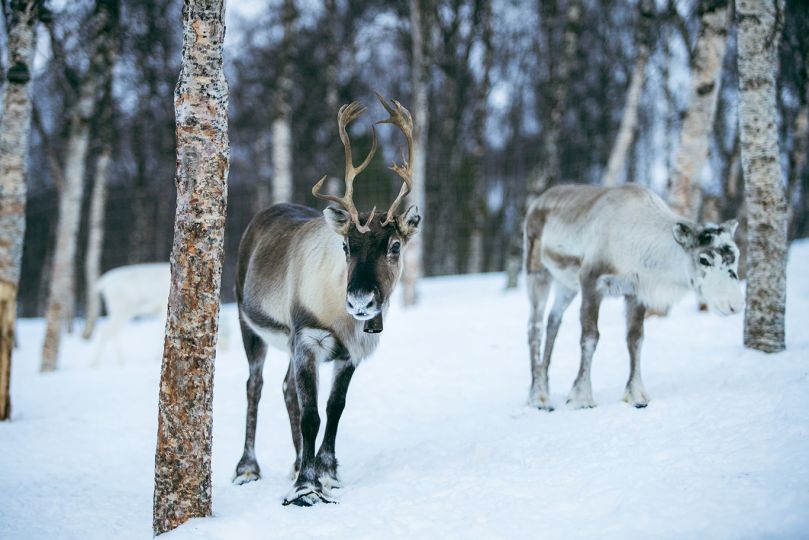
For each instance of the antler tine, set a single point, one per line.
(347, 114)
(400, 117)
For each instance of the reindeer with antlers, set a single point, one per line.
(316, 286)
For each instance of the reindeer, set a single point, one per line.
(625, 242)
(316, 285)
(131, 291)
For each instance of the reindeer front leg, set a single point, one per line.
(635, 393)
(307, 348)
(326, 463)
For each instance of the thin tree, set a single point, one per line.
(183, 454)
(420, 13)
(95, 220)
(759, 34)
(282, 188)
(16, 126)
(629, 119)
(478, 202)
(706, 71)
(103, 24)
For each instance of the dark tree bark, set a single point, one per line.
(183, 454)
(16, 127)
(759, 35)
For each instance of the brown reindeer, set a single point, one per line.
(316, 286)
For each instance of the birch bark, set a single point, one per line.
(766, 204)
(706, 76)
(16, 127)
(183, 453)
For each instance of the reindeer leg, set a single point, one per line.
(635, 394)
(308, 345)
(539, 285)
(581, 395)
(326, 463)
(291, 400)
(563, 297)
(248, 470)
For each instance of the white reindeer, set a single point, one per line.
(131, 291)
(620, 241)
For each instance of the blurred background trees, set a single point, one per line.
(518, 95)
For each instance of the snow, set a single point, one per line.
(436, 441)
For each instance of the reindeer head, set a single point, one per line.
(714, 263)
(373, 244)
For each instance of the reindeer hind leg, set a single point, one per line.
(247, 469)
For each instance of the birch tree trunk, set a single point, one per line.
(758, 40)
(95, 225)
(478, 202)
(282, 188)
(14, 132)
(551, 169)
(414, 258)
(706, 76)
(103, 24)
(629, 120)
(183, 454)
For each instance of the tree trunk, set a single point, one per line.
(478, 202)
(16, 127)
(414, 258)
(103, 24)
(797, 158)
(183, 454)
(629, 120)
(764, 187)
(552, 166)
(282, 188)
(706, 76)
(98, 200)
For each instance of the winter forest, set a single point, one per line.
(186, 189)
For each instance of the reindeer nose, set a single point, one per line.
(361, 303)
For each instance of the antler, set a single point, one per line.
(399, 117)
(346, 115)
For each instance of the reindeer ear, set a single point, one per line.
(730, 226)
(684, 234)
(409, 222)
(338, 219)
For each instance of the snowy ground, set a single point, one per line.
(436, 441)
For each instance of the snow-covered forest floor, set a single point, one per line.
(436, 441)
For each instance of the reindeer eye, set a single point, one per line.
(733, 274)
(395, 248)
(704, 260)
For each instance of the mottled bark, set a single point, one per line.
(95, 221)
(478, 202)
(797, 157)
(103, 25)
(183, 454)
(282, 188)
(414, 258)
(706, 76)
(758, 39)
(16, 126)
(629, 120)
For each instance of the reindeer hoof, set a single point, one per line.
(245, 477)
(578, 403)
(330, 482)
(637, 399)
(540, 401)
(307, 495)
(640, 405)
(246, 471)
